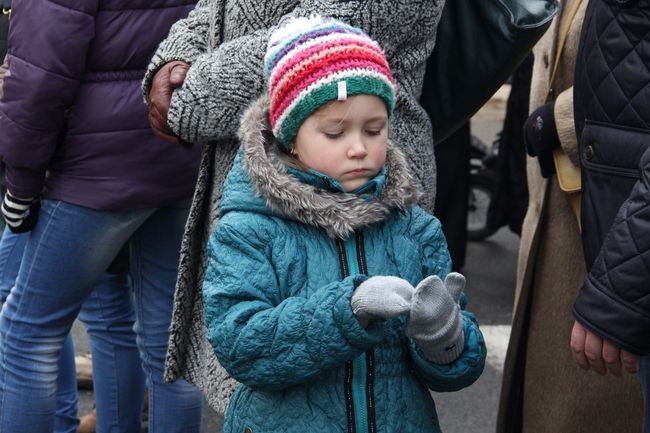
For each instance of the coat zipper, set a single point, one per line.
(359, 373)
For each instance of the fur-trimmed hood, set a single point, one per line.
(260, 182)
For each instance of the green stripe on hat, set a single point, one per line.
(356, 85)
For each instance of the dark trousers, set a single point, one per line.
(452, 189)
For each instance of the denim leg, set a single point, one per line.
(12, 246)
(644, 376)
(64, 257)
(155, 248)
(67, 397)
(66, 420)
(118, 379)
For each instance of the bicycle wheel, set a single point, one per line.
(481, 190)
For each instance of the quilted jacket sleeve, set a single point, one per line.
(263, 339)
(615, 299)
(45, 69)
(467, 368)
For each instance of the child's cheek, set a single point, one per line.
(328, 165)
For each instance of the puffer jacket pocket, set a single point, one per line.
(610, 157)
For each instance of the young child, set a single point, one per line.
(309, 293)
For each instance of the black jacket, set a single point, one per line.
(612, 112)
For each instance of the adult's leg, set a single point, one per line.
(118, 379)
(66, 419)
(452, 183)
(644, 375)
(155, 249)
(12, 246)
(67, 251)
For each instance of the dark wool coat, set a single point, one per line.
(544, 391)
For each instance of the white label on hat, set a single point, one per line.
(343, 90)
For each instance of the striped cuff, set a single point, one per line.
(14, 208)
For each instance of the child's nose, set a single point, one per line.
(357, 148)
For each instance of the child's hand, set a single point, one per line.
(435, 322)
(382, 297)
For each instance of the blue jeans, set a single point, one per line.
(66, 421)
(109, 318)
(64, 258)
(118, 380)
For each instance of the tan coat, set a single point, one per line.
(543, 389)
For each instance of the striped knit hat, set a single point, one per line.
(311, 61)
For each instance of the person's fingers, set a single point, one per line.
(160, 129)
(578, 336)
(630, 362)
(612, 358)
(170, 76)
(159, 98)
(157, 121)
(594, 353)
(166, 137)
(177, 73)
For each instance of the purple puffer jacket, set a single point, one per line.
(73, 125)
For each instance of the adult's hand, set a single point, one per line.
(541, 138)
(168, 78)
(591, 351)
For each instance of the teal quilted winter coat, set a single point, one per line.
(283, 262)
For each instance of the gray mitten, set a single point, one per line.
(435, 322)
(382, 297)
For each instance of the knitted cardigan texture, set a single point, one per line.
(225, 42)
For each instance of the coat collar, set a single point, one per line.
(338, 213)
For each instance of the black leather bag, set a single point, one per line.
(479, 44)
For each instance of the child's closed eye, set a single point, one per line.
(333, 135)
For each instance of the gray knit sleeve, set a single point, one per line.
(187, 39)
(218, 88)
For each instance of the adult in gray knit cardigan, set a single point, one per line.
(214, 61)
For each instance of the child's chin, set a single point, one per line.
(351, 186)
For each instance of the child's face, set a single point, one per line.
(345, 140)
